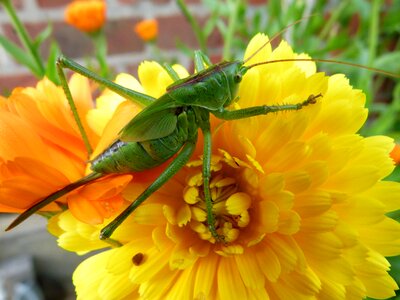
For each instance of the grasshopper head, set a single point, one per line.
(234, 72)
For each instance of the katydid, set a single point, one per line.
(166, 127)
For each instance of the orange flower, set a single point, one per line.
(87, 16)
(42, 151)
(147, 30)
(395, 154)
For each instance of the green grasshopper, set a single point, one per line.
(167, 126)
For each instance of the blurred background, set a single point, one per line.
(355, 31)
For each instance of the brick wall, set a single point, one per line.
(126, 50)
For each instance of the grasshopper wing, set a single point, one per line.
(155, 121)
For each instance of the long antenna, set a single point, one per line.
(275, 36)
(326, 61)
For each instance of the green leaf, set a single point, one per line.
(395, 215)
(183, 48)
(51, 68)
(388, 62)
(19, 55)
(42, 36)
(210, 25)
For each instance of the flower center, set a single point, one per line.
(229, 205)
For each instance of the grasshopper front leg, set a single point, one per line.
(64, 62)
(263, 109)
(134, 96)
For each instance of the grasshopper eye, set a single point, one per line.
(237, 78)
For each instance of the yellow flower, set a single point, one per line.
(299, 197)
(147, 30)
(87, 16)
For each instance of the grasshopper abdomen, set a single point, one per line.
(126, 157)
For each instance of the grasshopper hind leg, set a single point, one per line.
(206, 172)
(178, 163)
(168, 173)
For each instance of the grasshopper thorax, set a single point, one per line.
(213, 88)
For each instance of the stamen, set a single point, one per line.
(230, 206)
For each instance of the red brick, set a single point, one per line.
(156, 2)
(132, 69)
(52, 3)
(177, 28)
(257, 2)
(71, 41)
(122, 38)
(10, 33)
(17, 4)
(8, 83)
(127, 2)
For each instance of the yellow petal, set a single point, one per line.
(269, 262)
(85, 280)
(250, 271)
(153, 265)
(289, 222)
(266, 216)
(361, 211)
(159, 285)
(320, 246)
(354, 179)
(116, 286)
(237, 203)
(254, 45)
(313, 203)
(287, 251)
(230, 284)
(388, 193)
(383, 237)
(332, 290)
(183, 287)
(323, 222)
(184, 215)
(191, 195)
(205, 276)
(149, 214)
(306, 282)
(271, 184)
(297, 181)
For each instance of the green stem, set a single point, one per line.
(100, 43)
(155, 52)
(373, 43)
(373, 31)
(231, 30)
(195, 26)
(331, 21)
(24, 37)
